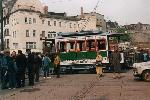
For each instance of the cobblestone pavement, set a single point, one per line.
(83, 87)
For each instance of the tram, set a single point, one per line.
(78, 50)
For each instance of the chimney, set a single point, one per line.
(45, 9)
(82, 13)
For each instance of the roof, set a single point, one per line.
(57, 14)
(87, 33)
(72, 18)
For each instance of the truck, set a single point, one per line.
(142, 70)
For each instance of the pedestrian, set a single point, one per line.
(37, 66)
(116, 58)
(11, 70)
(4, 71)
(99, 69)
(57, 61)
(21, 62)
(30, 67)
(141, 57)
(46, 65)
(145, 56)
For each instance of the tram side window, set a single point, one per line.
(80, 46)
(71, 46)
(91, 45)
(62, 46)
(102, 44)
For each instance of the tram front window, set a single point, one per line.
(102, 44)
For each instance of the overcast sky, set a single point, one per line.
(122, 11)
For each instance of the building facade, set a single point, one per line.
(27, 21)
(112, 27)
(100, 21)
(140, 34)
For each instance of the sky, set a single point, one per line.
(122, 11)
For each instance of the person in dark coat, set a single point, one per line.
(30, 67)
(4, 71)
(116, 58)
(37, 66)
(21, 62)
(11, 70)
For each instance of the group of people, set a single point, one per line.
(115, 60)
(15, 67)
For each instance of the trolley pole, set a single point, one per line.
(1, 19)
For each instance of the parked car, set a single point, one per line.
(142, 70)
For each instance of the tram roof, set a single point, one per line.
(87, 33)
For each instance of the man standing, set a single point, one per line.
(21, 62)
(11, 71)
(37, 66)
(4, 71)
(57, 65)
(116, 58)
(30, 67)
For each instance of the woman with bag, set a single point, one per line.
(99, 69)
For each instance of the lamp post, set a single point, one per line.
(45, 48)
(1, 12)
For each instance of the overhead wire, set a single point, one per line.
(88, 19)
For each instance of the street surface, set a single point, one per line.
(83, 87)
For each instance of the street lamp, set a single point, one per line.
(1, 12)
(45, 43)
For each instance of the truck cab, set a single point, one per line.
(142, 70)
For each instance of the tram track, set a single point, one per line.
(84, 91)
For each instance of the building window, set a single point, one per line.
(30, 45)
(26, 20)
(7, 31)
(7, 43)
(43, 21)
(34, 32)
(4, 22)
(27, 33)
(54, 23)
(34, 20)
(74, 25)
(70, 25)
(30, 21)
(14, 34)
(59, 24)
(49, 23)
(54, 35)
(78, 25)
(7, 20)
(15, 45)
(50, 36)
(43, 33)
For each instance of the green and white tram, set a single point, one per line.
(78, 50)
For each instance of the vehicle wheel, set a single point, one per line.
(146, 75)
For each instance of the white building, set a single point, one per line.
(28, 21)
